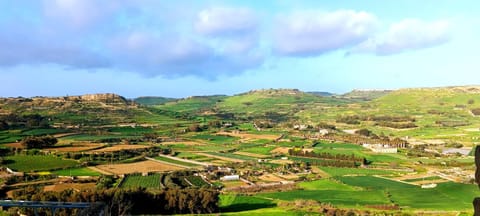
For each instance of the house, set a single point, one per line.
(323, 132)
(380, 148)
(230, 178)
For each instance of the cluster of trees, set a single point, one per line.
(373, 138)
(356, 119)
(12, 121)
(452, 123)
(93, 157)
(276, 187)
(38, 142)
(476, 111)
(128, 202)
(397, 125)
(335, 160)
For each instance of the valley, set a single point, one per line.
(263, 152)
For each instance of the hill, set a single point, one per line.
(152, 100)
(365, 94)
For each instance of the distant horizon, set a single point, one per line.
(178, 49)
(237, 93)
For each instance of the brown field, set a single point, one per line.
(76, 147)
(233, 184)
(74, 186)
(270, 178)
(281, 162)
(14, 145)
(120, 147)
(221, 158)
(281, 150)
(142, 167)
(251, 136)
(414, 176)
(252, 154)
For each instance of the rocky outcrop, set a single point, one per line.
(107, 98)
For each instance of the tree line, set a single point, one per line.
(334, 160)
(127, 201)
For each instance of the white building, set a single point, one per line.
(379, 148)
(230, 178)
(426, 186)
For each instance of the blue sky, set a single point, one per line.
(184, 48)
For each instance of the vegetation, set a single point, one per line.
(288, 152)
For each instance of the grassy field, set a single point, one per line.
(77, 172)
(337, 171)
(234, 203)
(28, 163)
(150, 181)
(173, 161)
(259, 150)
(443, 197)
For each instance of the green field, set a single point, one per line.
(340, 171)
(76, 172)
(367, 190)
(443, 197)
(259, 150)
(150, 181)
(29, 163)
(173, 161)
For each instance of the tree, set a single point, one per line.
(39, 141)
(364, 132)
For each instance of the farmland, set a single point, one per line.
(268, 152)
(150, 181)
(29, 163)
(141, 167)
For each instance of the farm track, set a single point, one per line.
(221, 158)
(100, 170)
(186, 160)
(168, 163)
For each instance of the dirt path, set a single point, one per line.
(100, 170)
(168, 163)
(186, 160)
(222, 158)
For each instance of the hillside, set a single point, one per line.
(291, 146)
(365, 94)
(152, 100)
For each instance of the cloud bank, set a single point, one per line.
(209, 42)
(310, 33)
(407, 35)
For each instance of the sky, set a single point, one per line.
(185, 48)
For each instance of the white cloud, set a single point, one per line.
(224, 21)
(408, 34)
(310, 33)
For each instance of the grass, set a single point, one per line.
(446, 196)
(326, 184)
(83, 171)
(30, 163)
(231, 155)
(235, 203)
(133, 181)
(336, 197)
(259, 150)
(173, 161)
(422, 179)
(337, 171)
(215, 139)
